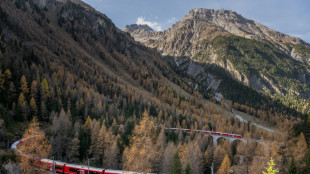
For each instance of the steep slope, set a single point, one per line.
(74, 57)
(261, 58)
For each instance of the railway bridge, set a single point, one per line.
(216, 135)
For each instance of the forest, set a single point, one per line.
(97, 94)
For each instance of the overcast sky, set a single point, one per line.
(287, 16)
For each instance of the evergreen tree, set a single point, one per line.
(270, 169)
(292, 168)
(176, 167)
(188, 169)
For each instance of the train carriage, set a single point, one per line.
(48, 165)
(80, 169)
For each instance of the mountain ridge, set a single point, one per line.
(259, 57)
(224, 21)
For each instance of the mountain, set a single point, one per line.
(261, 58)
(103, 98)
(203, 24)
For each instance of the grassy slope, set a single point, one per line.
(255, 58)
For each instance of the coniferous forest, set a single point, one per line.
(94, 93)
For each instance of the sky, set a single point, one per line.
(287, 16)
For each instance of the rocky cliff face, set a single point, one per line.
(185, 36)
(251, 52)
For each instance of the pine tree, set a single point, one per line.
(292, 168)
(176, 167)
(270, 169)
(23, 85)
(35, 146)
(188, 169)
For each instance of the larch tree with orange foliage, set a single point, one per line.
(35, 146)
(225, 166)
(142, 155)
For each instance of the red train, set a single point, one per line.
(66, 168)
(206, 132)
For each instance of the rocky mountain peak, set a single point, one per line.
(134, 27)
(183, 38)
(211, 14)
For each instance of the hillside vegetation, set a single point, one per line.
(99, 94)
(262, 66)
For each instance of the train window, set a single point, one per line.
(74, 170)
(94, 173)
(58, 167)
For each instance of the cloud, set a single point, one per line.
(172, 20)
(156, 26)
